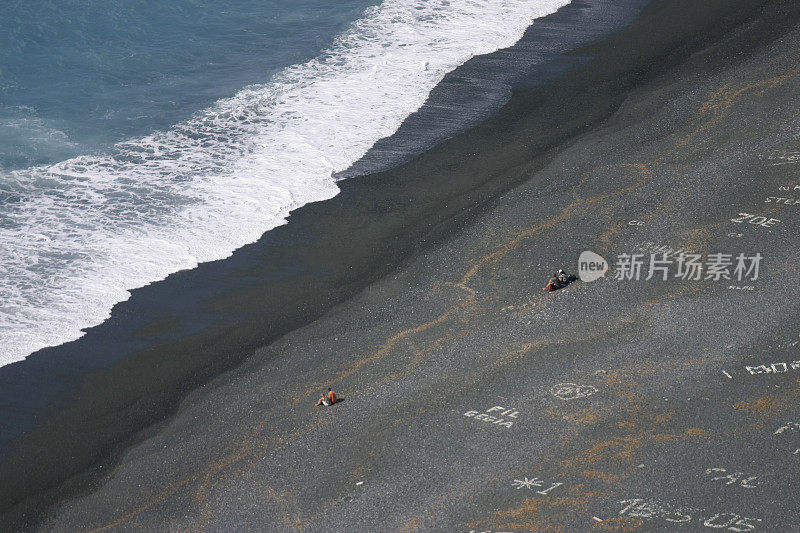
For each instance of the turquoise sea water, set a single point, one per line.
(140, 138)
(78, 76)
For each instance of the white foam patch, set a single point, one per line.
(75, 237)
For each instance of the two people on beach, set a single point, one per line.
(327, 399)
(559, 280)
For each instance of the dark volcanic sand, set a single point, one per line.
(679, 122)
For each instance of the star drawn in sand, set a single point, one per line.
(527, 483)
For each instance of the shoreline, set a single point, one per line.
(433, 123)
(68, 367)
(287, 265)
(485, 82)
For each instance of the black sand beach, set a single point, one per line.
(416, 294)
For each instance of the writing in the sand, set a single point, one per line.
(739, 478)
(526, 483)
(781, 200)
(502, 416)
(748, 218)
(789, 344)
(571, 391)
(774, 368)
(641, 508)
(782, 157)
(655, 248)
(791, 427)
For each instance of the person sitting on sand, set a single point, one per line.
(565, 279)
(559, 280)
(327, 399)
(553, 284)
(323, 400)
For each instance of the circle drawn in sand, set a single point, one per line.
(571, 391)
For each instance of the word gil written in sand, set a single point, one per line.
(736, 477)
(502, 416)
(640, 508)
(747, 218)
(774, 368)
(571, 391)
(526, 483)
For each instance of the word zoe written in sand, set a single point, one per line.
(526, 483)
(774, 368)
(747, 218)
(640, 508)
(740, 478)
(502, 416)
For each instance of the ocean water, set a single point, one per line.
(142, 138)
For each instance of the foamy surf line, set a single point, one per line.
(75, 237)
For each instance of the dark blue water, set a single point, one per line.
(78, 76)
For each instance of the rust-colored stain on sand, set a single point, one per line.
(582, 417)
(761, 405)
(605, 477)
(623, 448)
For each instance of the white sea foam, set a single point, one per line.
(76, 236)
